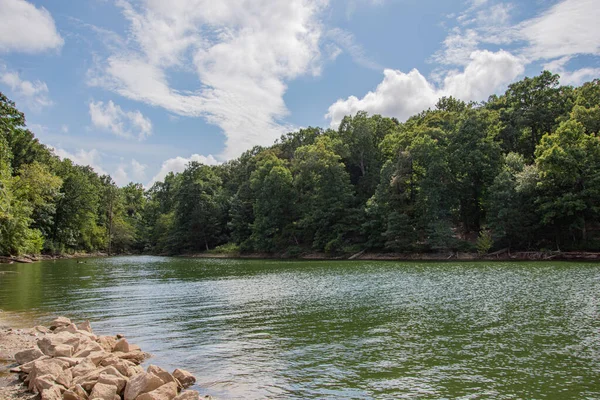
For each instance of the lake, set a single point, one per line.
(338, 329)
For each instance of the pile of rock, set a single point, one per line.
(72, 363)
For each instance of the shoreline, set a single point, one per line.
(68, 361)
(448, 256)
(29, 258)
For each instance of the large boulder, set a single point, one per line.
(59, 322)
(50, 369)
(25, 356)
(168, 391)
(140, 384)
(188, 395)
(184, 377)
(48, 344)
(65, 378)
(88, 349)
(103, 391)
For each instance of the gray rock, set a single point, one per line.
(25, 356)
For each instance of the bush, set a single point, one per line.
(484, 242)
(227, 248)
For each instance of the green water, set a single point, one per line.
(270, 329)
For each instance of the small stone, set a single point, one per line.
(25, 356)
(61, 350)
(75, 393)
(42, 329)
(103, 391)
(122, 345)
(184, 377)
(85, 326)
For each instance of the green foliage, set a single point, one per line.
(525, 164)
(484, 242)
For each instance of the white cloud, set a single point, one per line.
(574, 78)
(126, 124)
(138, 170)
(347, 41)
(243, 53)
(120, 176)
(569, 27)
(402, 95)
(82, 157)
(34, 94)
(178, 164)
(27, 29)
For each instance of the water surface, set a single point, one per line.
(354, 330)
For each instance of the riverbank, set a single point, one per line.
(28, 258)
(68, 361)
(502, 255)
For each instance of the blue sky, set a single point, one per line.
(138, 88)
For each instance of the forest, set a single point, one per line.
(519, 171)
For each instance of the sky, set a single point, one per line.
(138, 88)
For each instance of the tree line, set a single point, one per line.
(519, 171)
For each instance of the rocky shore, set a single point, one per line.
(68, 361)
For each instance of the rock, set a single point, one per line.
(71, 328)
(52, 393)
(98, 356)
(75, 393)
(60, 350)
(168, 391)
(107, 342)
(83, 368)
(137, 357)
(58, 322)
(119, 381)
(88, 335)
(65, 378)
(121, 365)
(70, 360)
(103, 391)
(42, 329)
(50, 367)
(121, 345)
(135, 370)
(184, 377)
(88, 349)
(161, 373)
(42, 383)
(49, 343)
(120, 336)
(140, 384)
(25, 356)
(85, 326)
(29, 366)
(188, 395)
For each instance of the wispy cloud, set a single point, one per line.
(347, 42)
(33, 93)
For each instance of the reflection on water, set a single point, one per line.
(271, 329)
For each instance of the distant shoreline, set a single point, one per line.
(449, 256)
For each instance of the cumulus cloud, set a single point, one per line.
(178, 164)
(138, 170)
(569, 27)
(26, 28)
(126, 124)
(33, 93)
(82, 157)
(402, 94)
(243, 53)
